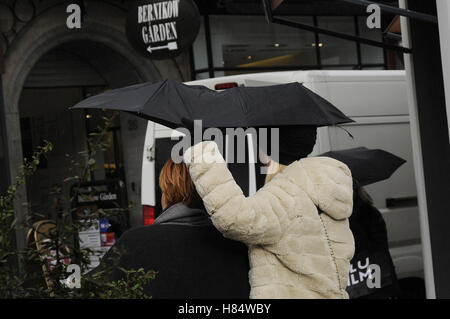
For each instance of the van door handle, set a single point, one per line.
(401, 202)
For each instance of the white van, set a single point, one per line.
(376, 100)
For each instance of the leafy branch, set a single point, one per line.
(47, 259)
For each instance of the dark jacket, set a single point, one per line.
(371, 241)
(368, 226)
(192, 258)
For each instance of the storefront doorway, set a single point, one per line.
(100, 48)
(62, 77)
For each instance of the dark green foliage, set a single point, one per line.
(21, 271)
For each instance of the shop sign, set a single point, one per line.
(97, 197)
(162, 29)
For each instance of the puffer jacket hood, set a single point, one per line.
(327, 182)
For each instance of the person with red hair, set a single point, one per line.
(191, 257)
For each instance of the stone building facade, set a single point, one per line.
(48, 66)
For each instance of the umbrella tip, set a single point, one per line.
(346, 131)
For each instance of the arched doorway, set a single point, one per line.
(63, 76)
(100, 43)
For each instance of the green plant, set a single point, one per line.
(29, 280)
(132, 286)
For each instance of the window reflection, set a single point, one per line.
(335, 51)
(249, 41)
(248, 44)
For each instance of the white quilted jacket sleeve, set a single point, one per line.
(253, 220)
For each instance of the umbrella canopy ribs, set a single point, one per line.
(169, 102)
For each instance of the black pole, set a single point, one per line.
(317, 41)
(358, 45)
(385, 58)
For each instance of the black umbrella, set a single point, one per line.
(169, 102)
(368, 165)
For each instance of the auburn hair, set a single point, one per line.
(364, 195)
(177, 185)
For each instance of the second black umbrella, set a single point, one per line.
(368, 165)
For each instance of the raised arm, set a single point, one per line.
(253, 220)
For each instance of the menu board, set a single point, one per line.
(97, 237)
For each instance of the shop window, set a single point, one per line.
(30, 144)
(248, 44)
(109, 163)
(339, 67)
(373, 67)
(245, 42)
(370, 54)
(335, 51)
(202, 76)
(111, 156)
(199, 49)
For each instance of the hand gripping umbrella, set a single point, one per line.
(368, 165)
(172, 104)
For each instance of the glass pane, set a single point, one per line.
(94, 119)
(109, 156)
(370, 54)
(334, 50)
(108, 162)
(373, 67)
(249, 41)
(201, 76)
(199, 49)
(222, 73)
(338, 67)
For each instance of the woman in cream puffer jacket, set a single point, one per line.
(294, 251)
